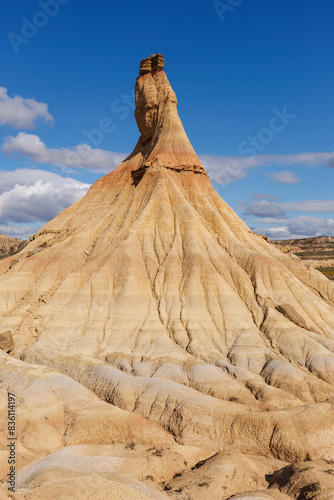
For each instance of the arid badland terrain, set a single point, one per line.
(10, 246)
(317, 252)
(158, 348)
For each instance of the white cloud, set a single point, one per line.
(312, 206)
(330, 162)
(310, 159)
(227, 169)
(21, 232)
(264, 196)
(221, 169)
(19, 112)
(32, 196)
(314, 226)
(271, 220)
(270, 208)
(269, 211)
(300, 227)
(30, 145)
(285, 177)
(274, 233)
(262, 208)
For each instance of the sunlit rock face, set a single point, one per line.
(163, 141)
(148, 314)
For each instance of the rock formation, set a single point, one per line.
(316, 252)
(6, 341)
(163, 141)
(148, 319)
(10, 246)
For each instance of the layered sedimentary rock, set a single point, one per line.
(6, 341)
(9, 246)
(151, 293)
(163, 141)
(317, 252)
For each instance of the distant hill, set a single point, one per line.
(318, 252)
(10, 246)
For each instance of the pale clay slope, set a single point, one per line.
(153, 294)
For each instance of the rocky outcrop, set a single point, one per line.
(315, 252)
(313, 480)
(6, 341)
(151, 64)
(163, 141)
(10, 246)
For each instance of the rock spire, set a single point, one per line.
(163, 141)
(151, 64)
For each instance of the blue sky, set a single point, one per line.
(254, 80)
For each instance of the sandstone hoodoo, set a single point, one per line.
(167, 348)
(163, 141)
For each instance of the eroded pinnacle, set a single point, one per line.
(151, 64)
